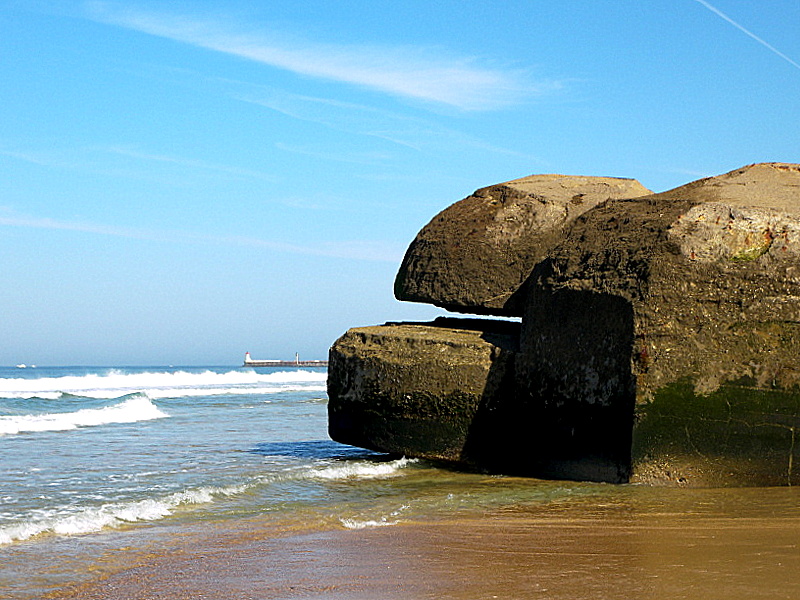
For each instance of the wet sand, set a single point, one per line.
(575, 551)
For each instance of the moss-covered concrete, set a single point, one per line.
(737, 435)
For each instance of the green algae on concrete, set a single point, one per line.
(738, 435)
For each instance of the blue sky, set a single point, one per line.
(184, 181)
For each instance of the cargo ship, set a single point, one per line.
(250, 362)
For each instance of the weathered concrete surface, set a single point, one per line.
(416, 388)
(474, 256)
(660, 337)
(574, 372)
(684, 306)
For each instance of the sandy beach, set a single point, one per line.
(234, 497)
(577, 551)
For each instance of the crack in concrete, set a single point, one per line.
(791, 458)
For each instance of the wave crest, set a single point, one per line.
(137, 407)
(362, 469)
(162, 384)
(93, 519)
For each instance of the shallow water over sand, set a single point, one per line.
(618, 543)
(222, 483)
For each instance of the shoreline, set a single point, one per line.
(572, 551)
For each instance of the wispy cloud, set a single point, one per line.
(9, 218)
(421, 73)
(348, 249)
(410, 132)
(188, 162)
(23, 157)
(42, 159)
(361, 158)
(767, 45)
(95, 159)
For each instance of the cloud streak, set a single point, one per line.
(406, 131)
(30, 158)
(767, 45)
(190, 163)
(359, 158)
(347, 249)
(411, 72)
(9, 219)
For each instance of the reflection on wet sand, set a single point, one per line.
(629, 543)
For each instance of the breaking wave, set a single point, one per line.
(91, 519)
(362, 469)
(137, 407)
(96, 518)
(162, 384)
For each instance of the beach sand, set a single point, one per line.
(573, 552)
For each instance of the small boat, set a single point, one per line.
(250, 362)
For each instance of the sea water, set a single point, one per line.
(86, 452)
(91, 458)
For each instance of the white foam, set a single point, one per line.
(136, 408)
(362, 470)
(93, 519)
(163, 384)
(356, 524)
(184, 392)
(70, 521)
(385, 521)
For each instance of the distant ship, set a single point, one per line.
(249, 362)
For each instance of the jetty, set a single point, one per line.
(250, 362)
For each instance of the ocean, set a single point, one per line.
(95, 460)
(89, 451)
